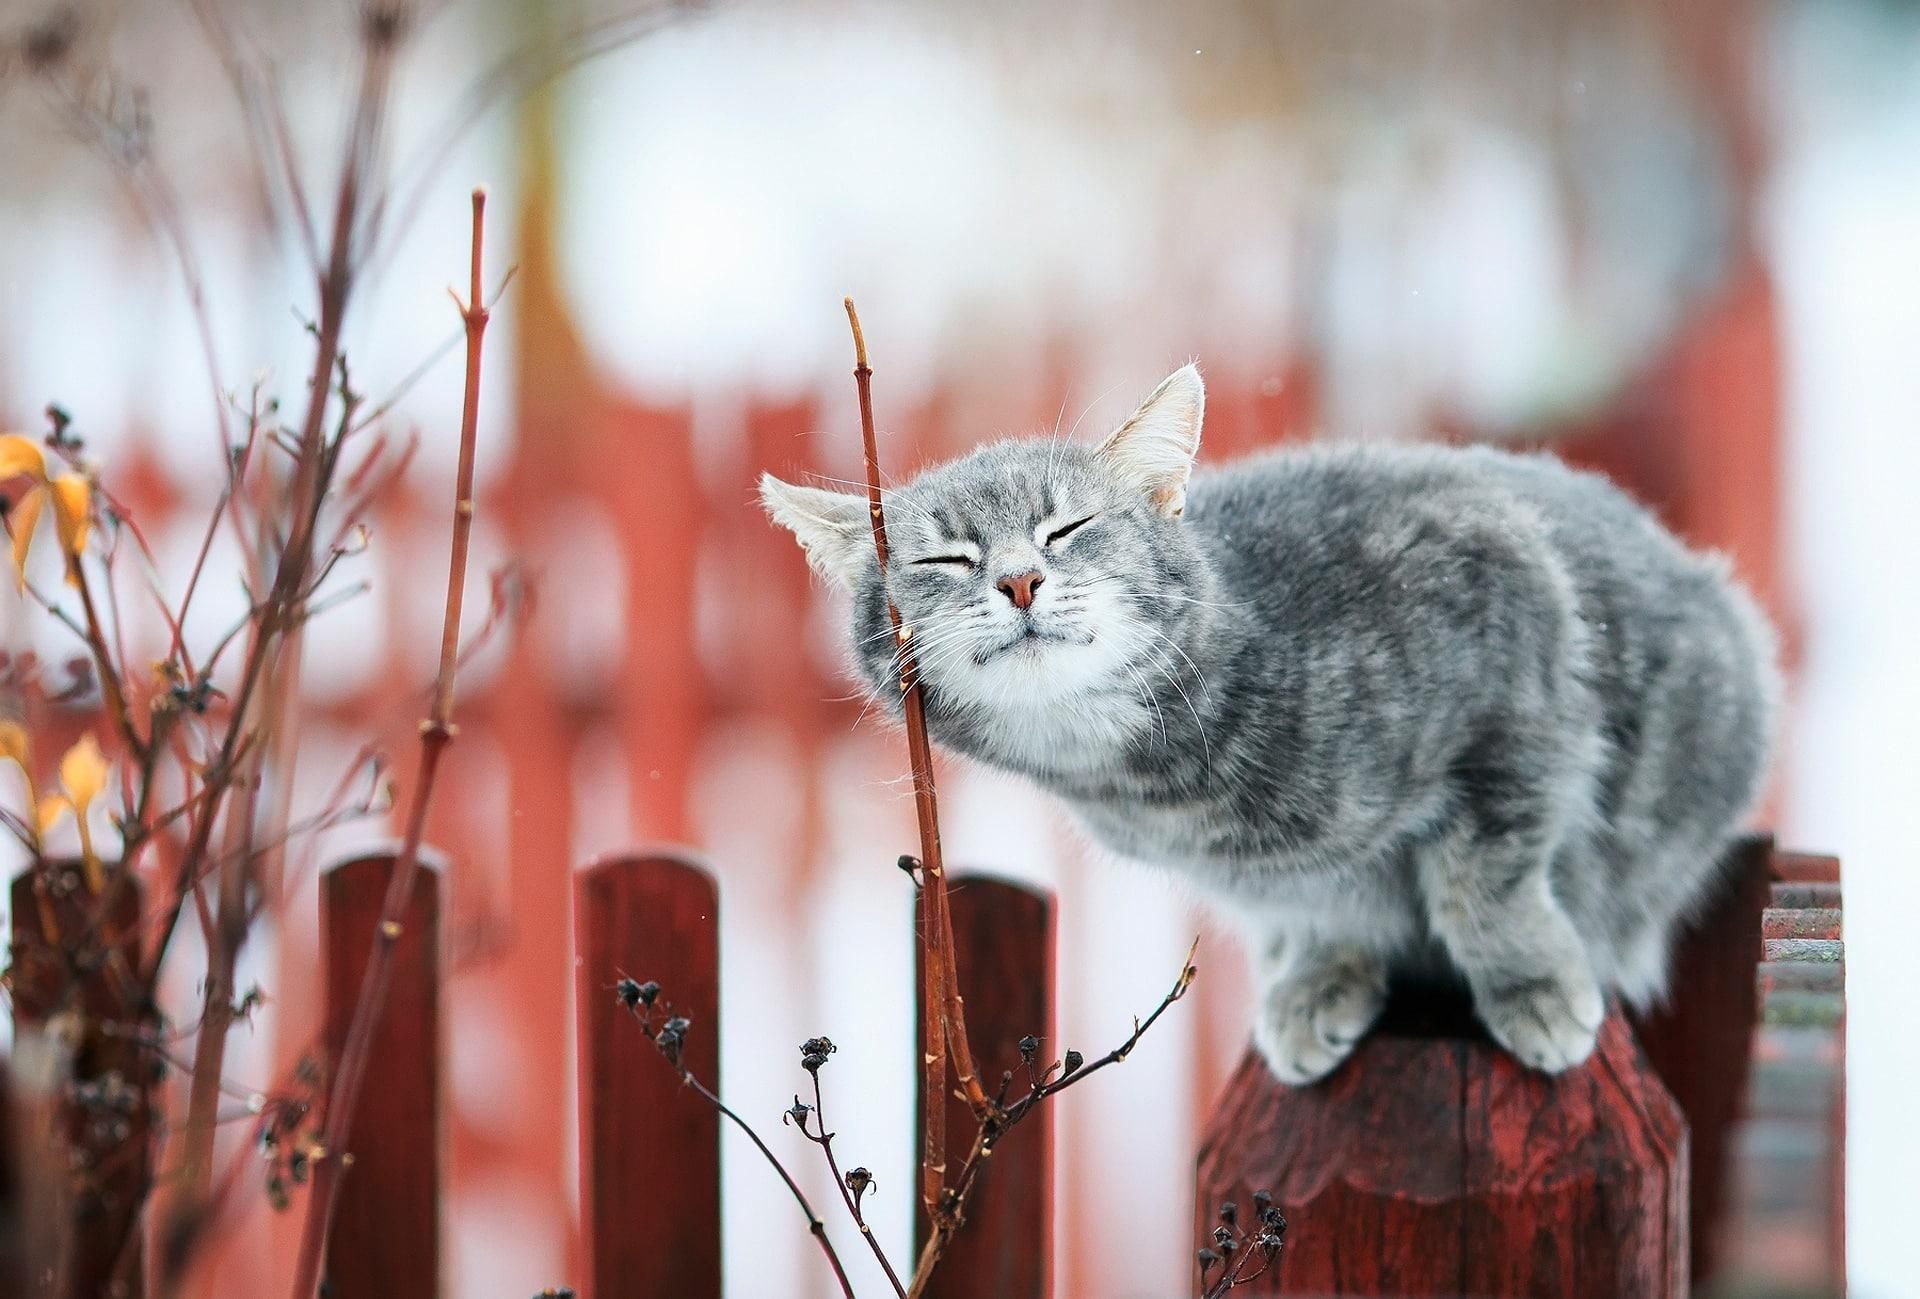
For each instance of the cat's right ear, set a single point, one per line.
(1153, 451)
(831, 526)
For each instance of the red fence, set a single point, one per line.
(1750, 1053)
(1707, 1139)
(650, 1148)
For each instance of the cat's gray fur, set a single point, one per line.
(1395, 708)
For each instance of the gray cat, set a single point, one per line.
(1399, 710)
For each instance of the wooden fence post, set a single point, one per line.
(1004, 947)
(1785, 1225)
(1431, 1163)
(1700, 1042)
(105, 1122)
(1752, 1048)
(386, 1230)
(650, 1149)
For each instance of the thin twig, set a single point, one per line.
(814, 1223)
(1002, 1119)
(848, 1196)
(945, 1020)
(669, 1038)
(436, 733)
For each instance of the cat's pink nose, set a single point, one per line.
(1020, 588)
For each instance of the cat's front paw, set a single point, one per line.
(1549, 1023)
(1309, 1022)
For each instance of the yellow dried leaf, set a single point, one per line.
(48, 814)
(15, 744)
(84, 773)
(21, 456)
(22, 519)
(71, 495)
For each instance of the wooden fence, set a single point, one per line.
(1706, 1142)
(649, 1148)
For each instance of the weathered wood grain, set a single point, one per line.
(1004, 946)
(386, 1231)
(650, 1148)
(1436, 1165)
(108, 1120)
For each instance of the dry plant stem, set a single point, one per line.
(1002, 1119)
(814, 1223)
(946, 1023)
(815, 1226)
(281, 612)
(103, 662)
(847, 1197)
(209, 1052)
(436, 733)
(282, 606)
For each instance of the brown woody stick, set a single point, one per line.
(436, 733)
(947, 1027)
(1003, 1117)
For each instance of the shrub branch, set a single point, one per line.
(436, 733)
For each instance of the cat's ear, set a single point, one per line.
(1154, 449)
(832, 526)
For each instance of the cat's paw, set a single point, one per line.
(1549, 1023)
(1309, 1022)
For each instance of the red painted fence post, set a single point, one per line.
(109, 1164)
(1431, 1163)
(1004, 947)
(1785, 1224)
(1700, 1041)
(386, 1231)
(650, 1148)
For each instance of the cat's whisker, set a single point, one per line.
(916, 630)
(891, 497)
(1105, 584)
(1198, 676)
(1088, 409)
(1146, 694)
(922, 644)
(1206, 745)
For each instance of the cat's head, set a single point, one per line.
(1027, 571)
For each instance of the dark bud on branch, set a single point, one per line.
(1229, 1212)
(633, 994)
(859, 1180)
(814, 1052)
(1029, 1047)
(798, 1114)
(1208, 1261)
(1073, 1062)
(1223, 1238)
(672, 1038)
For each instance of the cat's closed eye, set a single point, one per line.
(1063, 532)
(961, 561)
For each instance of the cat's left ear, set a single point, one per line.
(1154, 449)
(831, 526)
